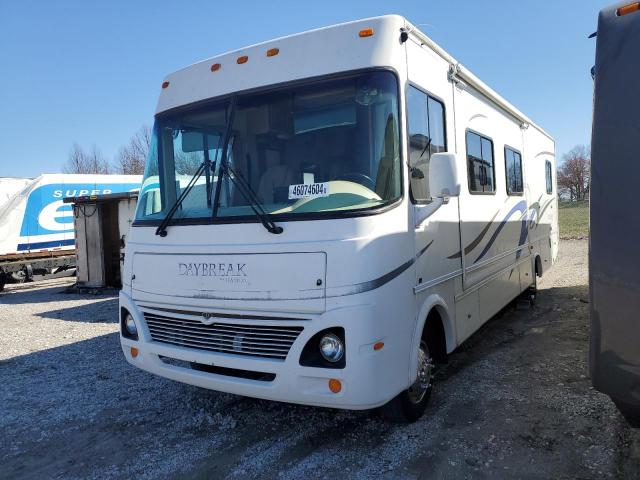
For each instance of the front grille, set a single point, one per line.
(266, 341)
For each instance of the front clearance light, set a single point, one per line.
(331, 348)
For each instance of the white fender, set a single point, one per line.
(432, 301)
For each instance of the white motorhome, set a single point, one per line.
(325, 216)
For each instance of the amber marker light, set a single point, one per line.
(165, 84)
(365, 32)
(378, 346)
(272, 52)
(632, 7)
(134, 352)
(242, 59)
(335, 385)
(215, 67)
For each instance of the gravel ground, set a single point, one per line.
(514, 402)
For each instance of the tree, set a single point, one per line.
(131, 158)
(81, 161)
(574, 174)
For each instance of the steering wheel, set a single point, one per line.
(358, 177)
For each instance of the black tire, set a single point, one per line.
(3, 279)
(18, 277)
(409, 405)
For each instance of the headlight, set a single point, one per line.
(331, 348)
(130, 325)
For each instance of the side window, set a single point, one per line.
(436, 126)
(513, 168)
(426, 136)
(480, 164)
(548, 176)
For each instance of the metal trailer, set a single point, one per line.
(21, 267)
(614, 257)
(101, 225)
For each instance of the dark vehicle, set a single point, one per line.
(614, 250)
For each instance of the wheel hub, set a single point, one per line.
(421, 386)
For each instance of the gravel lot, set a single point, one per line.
(514, 402)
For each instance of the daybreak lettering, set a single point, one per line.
(212, 269)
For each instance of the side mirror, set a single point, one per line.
(443, 175)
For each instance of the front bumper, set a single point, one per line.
(370, 378)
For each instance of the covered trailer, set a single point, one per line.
(9, 186)
(36, 226)
(614, 257)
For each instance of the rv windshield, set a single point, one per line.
(321, 148)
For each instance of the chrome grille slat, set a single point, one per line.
(266, 341)
(223, 349)
(227, 333)
(222, 329)
(218, 338)
(266, 328)
(220, 344)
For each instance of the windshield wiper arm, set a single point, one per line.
(240, 183)
(162, 228)
(247, 192)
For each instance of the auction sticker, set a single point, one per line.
(309, 190)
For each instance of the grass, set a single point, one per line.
(574, 219)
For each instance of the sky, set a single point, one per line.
(90, 72)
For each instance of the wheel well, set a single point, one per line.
(538, 266)
(433, 334)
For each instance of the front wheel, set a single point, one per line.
(410, 404)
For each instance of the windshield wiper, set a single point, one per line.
(225, 169)
(247, 192)
(162, 228)
(241, 184)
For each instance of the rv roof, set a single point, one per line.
(313, 54)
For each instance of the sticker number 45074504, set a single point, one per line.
(308, 190)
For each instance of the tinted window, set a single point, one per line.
(548, 176)
(480, 163)
(426, 137)
(513, 168)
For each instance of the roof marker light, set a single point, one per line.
(272, 52)
(165, 84)
(365, 32)
(242, 59)
(632, 7)
(215, 67)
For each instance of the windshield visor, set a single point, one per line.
(326, 147)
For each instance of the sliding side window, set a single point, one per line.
(513, 168)
(480, 163)
(427, 136)
(548, 176)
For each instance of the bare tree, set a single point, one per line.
(187, 163)
(81, 161)
(574, 174)
(131, 158)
